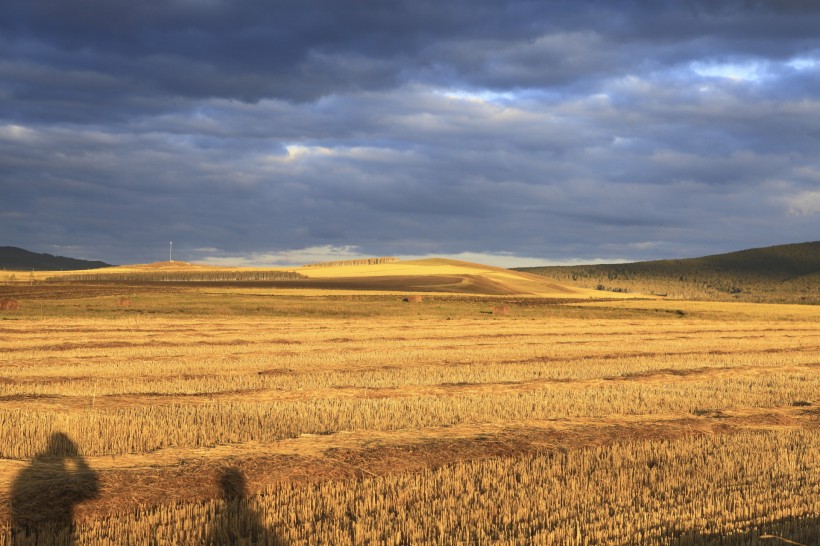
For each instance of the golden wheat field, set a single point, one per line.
(252, 415)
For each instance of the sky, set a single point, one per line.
(514, 133)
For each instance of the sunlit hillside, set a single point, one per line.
(418, 276)
(777, 274)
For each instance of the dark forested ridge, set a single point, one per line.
(13, 258)
(784, 273)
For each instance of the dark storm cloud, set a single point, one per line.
(562, 130)
(250, 50)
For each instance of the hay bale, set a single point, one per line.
(501, 310)
(9, 305)
(413, 299)
(125, 302)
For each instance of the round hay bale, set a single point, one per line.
(9, 305)
(501, 310)
(125, 302)
(413, 299)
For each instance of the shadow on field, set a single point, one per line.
(237, 522)
(786, 532)
(45, 493)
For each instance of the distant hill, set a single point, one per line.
(435, 275)
(18, 259)
(784, 273)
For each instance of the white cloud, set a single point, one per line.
(17, 132)
(644, 245)
(288, 258)
(803, 63)
(482, 96)
(743, 71)
(804, 203)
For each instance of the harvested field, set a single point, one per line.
(357, 419)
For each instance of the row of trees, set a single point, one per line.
(363, 261)
(184, 276)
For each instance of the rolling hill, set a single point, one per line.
(18, 259)
(777, 274)
(442, 275)
(425, 276)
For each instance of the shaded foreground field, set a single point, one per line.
(217, 414)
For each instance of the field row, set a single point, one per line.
(368, 420)
(193, 383)
(724, 489)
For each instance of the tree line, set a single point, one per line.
(184, 276)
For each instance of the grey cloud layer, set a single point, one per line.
(544, 129)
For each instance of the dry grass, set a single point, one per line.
(687, 491)
(558, 425)
(501, 310)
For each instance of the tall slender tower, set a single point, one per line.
(171, 251)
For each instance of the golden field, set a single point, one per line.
(242, 413)
(430, 275)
